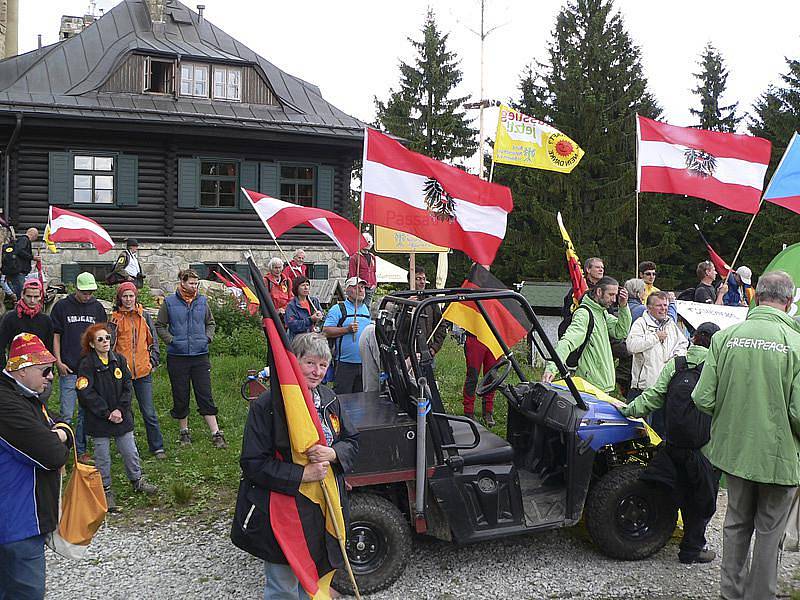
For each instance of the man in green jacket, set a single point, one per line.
(596, 363)
(751, 388)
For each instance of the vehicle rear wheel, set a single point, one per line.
(378, 545)
(628, 518)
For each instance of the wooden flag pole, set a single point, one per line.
(491, 171)
(341, 538)
(746, 233)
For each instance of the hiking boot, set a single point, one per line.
(86, 459)
(160, 454)
(219, 440)
(143, 486)
(469, 415)
(704, 556)
(488, 419)
(185, 439)
(111, 502)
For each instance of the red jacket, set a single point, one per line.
(280, 288)
(293, 270)
(364, 265)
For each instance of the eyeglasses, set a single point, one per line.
(103, 338)
(650, 273)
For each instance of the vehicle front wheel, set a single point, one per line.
(628, 518)
(378, 545)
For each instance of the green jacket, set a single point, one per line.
(596, 364)
(653, 398)
(751, 388)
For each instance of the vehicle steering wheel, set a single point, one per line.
(494, 378)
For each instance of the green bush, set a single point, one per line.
(109, 294)
(237, 331)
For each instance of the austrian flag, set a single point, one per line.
(724, 168)
(67, 226)
(406, 191)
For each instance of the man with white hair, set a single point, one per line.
(750, 386)
(297, 267)
(279, 286)
(345, 323)
(364, 266)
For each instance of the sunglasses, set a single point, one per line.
(46, 372)
(103, 338)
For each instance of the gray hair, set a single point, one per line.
(775, 286)
(311, 344)
(274, 261)
(635, 288)
(297, 252)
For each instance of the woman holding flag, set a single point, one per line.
(270, 474)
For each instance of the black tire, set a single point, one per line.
(628, 518)
(378, 545)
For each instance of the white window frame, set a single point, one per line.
(169, 83)
(192, 81)
(227, 72)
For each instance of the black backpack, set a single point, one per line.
(687, 294)
(10, 264)
(335, 344)
(686, 426)
(575, 355)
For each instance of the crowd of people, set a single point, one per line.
(726, 402)
(733, 393)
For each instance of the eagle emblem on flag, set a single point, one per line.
(438, 201)
(699, 162)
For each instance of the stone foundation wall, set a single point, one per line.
(161, 262)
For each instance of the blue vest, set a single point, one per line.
(187, 324)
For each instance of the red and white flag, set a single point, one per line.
(724, 168)
(409, 192)
(67, 226)
(279, 217)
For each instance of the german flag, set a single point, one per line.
(302, 524)
(506, 315)
(579, 285)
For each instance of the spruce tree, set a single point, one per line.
(424, 110)
(712, 83)
(590, 87)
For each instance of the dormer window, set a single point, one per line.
(159, 76)
(227, 83)
(194, 80)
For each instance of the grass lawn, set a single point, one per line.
(201, 478)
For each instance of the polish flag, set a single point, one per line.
(67, 226)
(409, 192)
(279, 217)
(724, 168)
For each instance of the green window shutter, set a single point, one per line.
(59, 181)
(69, 273)
(248, 179)
(269, 183)
(188, 183)
(243, 271)
(325, 187)
(127, 180)
(201, 269)
(318, 271)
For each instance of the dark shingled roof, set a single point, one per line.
(64, 78)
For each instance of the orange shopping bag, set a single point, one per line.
(82, 510)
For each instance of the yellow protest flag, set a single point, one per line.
(524, 141)
(48, 242)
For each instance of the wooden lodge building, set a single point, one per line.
(149, 121)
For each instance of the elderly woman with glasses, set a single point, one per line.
(264, 471)
(104, 391)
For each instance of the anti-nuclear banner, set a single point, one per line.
(695, 313)
(789, 261)
(527, 142)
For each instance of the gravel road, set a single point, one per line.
(193, 558)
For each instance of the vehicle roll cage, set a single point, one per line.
(419, 354)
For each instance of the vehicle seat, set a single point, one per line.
(492, 449)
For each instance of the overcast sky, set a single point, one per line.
(351, 48)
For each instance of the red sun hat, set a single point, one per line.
(27, 350)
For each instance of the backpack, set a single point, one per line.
(687, 295)
(10, 264)
(335, 344)
(686, 426)
(575, 355)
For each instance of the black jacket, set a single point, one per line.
(24, 251)
(265, 434)
(30, 458)
(12, 325)
(101, 390)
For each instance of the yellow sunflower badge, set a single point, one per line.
(118, 373)
(81, 383)
(335, 423)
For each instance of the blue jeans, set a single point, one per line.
(144, 395)
(282, 583)
(22, 569)
(68, 396)
(17, 282)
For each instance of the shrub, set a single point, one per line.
(109, 294)
(237, 331)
